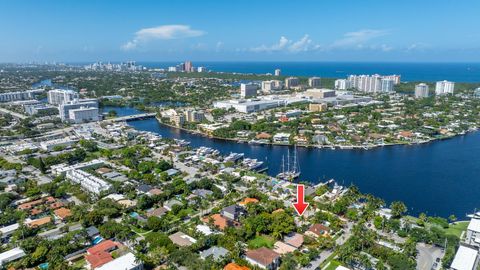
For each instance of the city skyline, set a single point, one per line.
(440, 31)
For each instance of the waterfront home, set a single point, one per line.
(473, 232)
(264, 258)
(281, 137)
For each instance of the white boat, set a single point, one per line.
(233, 157)
(252, 164)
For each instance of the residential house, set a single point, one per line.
(233, 212)
(125, 262)
(263, 258)
(318, 230)
(217, 253)
(181, 239)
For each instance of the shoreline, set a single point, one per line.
(330, 147)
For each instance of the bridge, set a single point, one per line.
(132, 117)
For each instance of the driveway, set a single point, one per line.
(427, 255)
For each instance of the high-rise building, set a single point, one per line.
(64, 109)
(342, 84)
(395, 78)
(248, 90)
(188, 67)
(19, 95)
(421, 90)
(387, 85)
(194, 116)
(83, 114)
(291, 82)
(278, 72)
(371, 83)
(444, 87)
(270, 86)
(314, 82)
(61, 96)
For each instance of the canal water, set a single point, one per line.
(438, 178)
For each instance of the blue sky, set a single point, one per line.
(248, 30)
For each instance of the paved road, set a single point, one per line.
(326, 253)
(427, 255)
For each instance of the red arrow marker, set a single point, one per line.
(300, 205)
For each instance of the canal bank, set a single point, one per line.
(439, 178)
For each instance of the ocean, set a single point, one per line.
(422, 72)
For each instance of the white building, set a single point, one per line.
(320, 93)
(373, 83)
(125, 262)
(281, 137)
(249, 106)
(49, 145)
(61, 96)
(395, 78)
(61, 169)
(10, 256)
(19, 95)
(7, 231)
(271, 86)
(444, 87)
(83, 114)
(466, 258)
(387, 85)
(314, 82)
(421, 90)
(63, 109)
(473, 232)
(291, 82)
(88, 182)
(278, 72)
(248, 90)
(342, 84)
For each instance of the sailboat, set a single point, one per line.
(293, 170)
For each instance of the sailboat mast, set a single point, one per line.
(288, 159)
(295, 159)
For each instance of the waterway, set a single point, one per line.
(438, 178)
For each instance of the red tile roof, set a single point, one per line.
(98, 259)
(234, 266)
(107, 245)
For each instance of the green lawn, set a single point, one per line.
(332, 265)
(458, 228)
(261, 241)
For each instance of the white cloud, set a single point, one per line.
(358, 38)
(162, 32)
(417, 46)
(284, 44)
